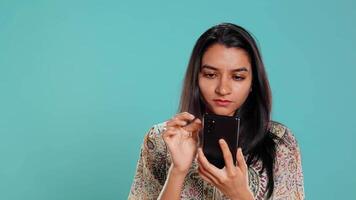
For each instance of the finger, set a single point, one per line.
(185, 116)
(229, 162)
(204, 177)
(214, 178)
(241, 160)
(180, 119)
(186, 134)
(204, 163)
(176, 122)
(207, 175)
(194, 127)
(170, 131)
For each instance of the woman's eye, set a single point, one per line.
(210, 75)
(238, 78)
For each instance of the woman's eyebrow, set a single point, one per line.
(209, 67)
(234, 70)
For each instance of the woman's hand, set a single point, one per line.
(231, 180)
(182, 139)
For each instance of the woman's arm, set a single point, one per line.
(181, 138)
(173, 185)
(288, 173)
(151, 168)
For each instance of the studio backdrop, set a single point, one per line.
(81, 82)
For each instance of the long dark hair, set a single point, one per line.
(255, 139)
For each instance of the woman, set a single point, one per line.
(225, 76)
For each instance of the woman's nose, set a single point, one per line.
(223, 87)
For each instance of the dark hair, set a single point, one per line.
(255, 138)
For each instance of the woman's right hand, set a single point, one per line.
(181, 139)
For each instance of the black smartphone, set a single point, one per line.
(217, 127)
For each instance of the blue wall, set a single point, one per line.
(82, 81)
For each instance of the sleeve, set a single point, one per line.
(288, 174)
(151, 168)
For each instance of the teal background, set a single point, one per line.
(82, 81)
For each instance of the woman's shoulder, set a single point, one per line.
(153, 141)
(287, 171)
(151, 167)
(155, 131)
(283, 135)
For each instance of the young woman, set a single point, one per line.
(225, 76)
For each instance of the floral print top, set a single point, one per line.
(154, 162)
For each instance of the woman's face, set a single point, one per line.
(225, 78)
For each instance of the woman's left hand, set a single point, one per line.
(231, 180)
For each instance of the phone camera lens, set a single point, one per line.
(211, 125)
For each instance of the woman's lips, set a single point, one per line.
(222, 102)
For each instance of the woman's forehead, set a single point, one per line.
(220, 57)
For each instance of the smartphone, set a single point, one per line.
(217, 127)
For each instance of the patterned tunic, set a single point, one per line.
(155, 160)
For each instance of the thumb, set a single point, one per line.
(194, 127)
(241, 160)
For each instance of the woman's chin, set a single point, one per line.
(223, 111)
